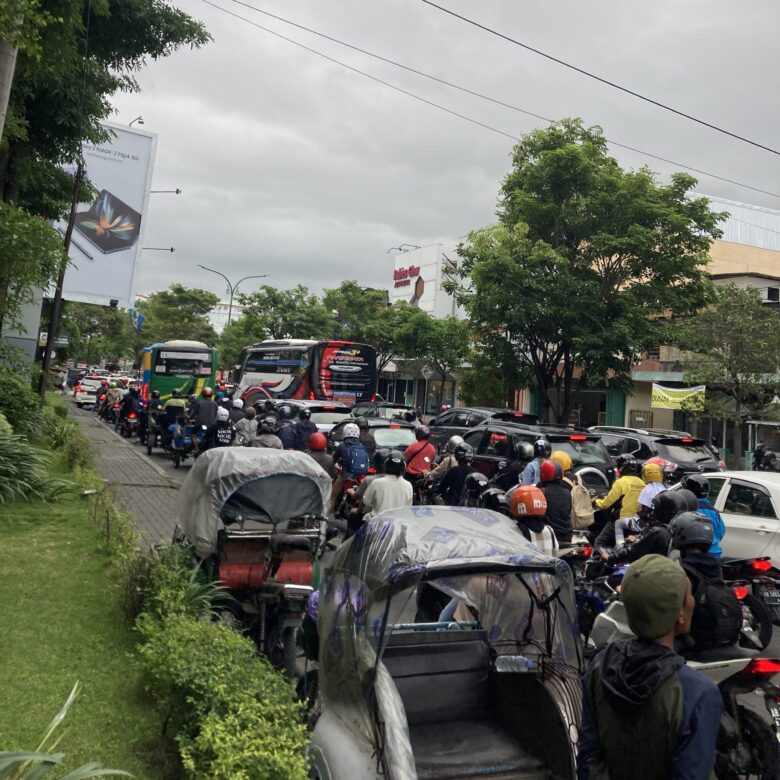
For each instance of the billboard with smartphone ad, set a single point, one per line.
(108, 231)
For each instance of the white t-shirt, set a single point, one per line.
(651, 490)
(388, 492)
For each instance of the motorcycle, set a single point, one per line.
(446, 650)
(130, 425)
(111, 413)
(747, 746)
(184, 436)
(255, 519)
(756, 588)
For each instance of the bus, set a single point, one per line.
(307, 369)
(187, 365)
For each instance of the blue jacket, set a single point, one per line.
(531, 473)
(708, 510)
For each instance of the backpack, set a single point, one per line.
(583, 514)
(717, 616)
(355, 459)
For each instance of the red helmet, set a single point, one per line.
(527, 501)
(550, 471)
(317, 442)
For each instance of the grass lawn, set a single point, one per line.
(60, 622)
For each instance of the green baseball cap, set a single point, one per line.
(653, 590)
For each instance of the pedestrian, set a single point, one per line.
(646, 715)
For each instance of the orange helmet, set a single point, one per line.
(527, 501)
(317, 442)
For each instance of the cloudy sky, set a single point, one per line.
(293, 166)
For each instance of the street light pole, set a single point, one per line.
(232, 287)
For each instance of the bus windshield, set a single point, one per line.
(177, 362)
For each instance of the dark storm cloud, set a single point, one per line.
(293, 166)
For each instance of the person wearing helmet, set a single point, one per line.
(390, 491)
(717, 616)
(528, 505)
(411, 417)
(269, 408)
(317, 449)
(542, 451)
(366, 437)
(246, 428)
(626, 489)
(420, 454)
(653, 477)
(285, 429)
(267, 437)
(357, 511)
(557, 493)
(699, 485)
(475, 485)
(236, 410)
(205, 411)
(304, 429)
(113, 396)
(448, 460)
(453, 483)
(522, 455)
(351, 460)
(221, 433)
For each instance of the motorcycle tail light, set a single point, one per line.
(132, 416)
(371, 470)
(761, 564)
(587, 551)
(741, 591)
(763, 666)
(77, 388)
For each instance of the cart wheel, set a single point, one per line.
(289, 651)
(148, 446)
(176, 459)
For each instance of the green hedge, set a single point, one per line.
(19, 403)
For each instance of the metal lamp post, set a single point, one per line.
(232, 287)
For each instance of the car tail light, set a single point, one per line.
(311, 396)
(394, 426)
(761, 564)
(328, 407)
(578, 437)
(145, 391)
(763, 666)
(687, 440)
(741, 591)
(77, 389)
(373, 398)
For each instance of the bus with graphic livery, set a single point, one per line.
(307, 369)
(187, 365)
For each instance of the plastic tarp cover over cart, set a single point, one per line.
(248, 485)
(520, 600)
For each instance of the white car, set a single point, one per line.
(85, 391)
(749, 502)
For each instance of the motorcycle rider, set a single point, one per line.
(205, 411)
(246, 428)
(419, 455)
(304, 429)
(285, 429)
(236, 411)
(451, 487)
(717, 616)
(366, 437)
(700, 487)
(448, 461)
(221, 433)
(523, 454)
(267, 437)
(130, 403)
(357, 511)
(173, 408)
(149, 420)
(474, 487)
(558, 496)
(626, 488)
(113, 396)
(646, 715)
(542, 451)
(528, 505)
(317, 449)
(351, 457)
(391, 490)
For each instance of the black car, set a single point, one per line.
(687, 452)
(494, 441)
(392, 434)
(381, 409)
(458, 420)
(324, 414)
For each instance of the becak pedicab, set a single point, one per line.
(448, 649)
(255, 518)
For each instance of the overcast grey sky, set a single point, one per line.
(293, 166)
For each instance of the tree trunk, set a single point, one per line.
(7, 67)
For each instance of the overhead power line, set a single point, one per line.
(439, 80)
(603, 80)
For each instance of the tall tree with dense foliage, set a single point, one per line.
(97, 333)
(736, 354)
(177, 313)
(289, 314)
(355, 310)
(573, 281)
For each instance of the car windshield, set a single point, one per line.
(391, 412)
(681, 453)
(590, 452)
(90, 383)
(393, 437)
(329, 417)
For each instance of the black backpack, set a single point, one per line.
(717, 616)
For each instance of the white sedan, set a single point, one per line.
(749, 502)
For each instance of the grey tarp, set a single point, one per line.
(524, 600)
(280, 484)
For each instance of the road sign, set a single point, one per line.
(427, 372)
(59, 342)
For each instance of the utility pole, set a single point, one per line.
(231, 287)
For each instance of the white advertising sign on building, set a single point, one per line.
(418, 278)
(108, 232)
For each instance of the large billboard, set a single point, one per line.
(418, 278)
(108, 231)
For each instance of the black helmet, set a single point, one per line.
(475, 484)
(410, 415)
(542, 448)
(378, 461)
(193, 398)
(305, 414)
(667, 504)
(155, 393)
(362, 423)
(691, 529)
(175, 393)
(697, 484)
(627, 464)
(422, 432)
(135, 392)
(524, 451)
(464, 453)
(268, 405)
(494, 499)
(395, 463)
(268, 424)
(690, 502)
(285, 412)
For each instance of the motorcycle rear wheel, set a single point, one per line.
(762, 746)
(176, 459)
(761, 623)
(283, 650)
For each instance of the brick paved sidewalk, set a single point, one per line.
(142, 487)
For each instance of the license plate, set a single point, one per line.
(772, 596)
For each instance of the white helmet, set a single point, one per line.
(222, 414)
(351, 431)
(453, 442)
(238, 403)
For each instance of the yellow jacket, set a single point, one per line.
(628, 488)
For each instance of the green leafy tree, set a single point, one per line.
(247, 329)
(355, 309)
(293, 314)
(97, 333)
(398, 331)
(736, 354)
(446, 345)
(571, 284)
(177, 313)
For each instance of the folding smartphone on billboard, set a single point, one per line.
(110, 224)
